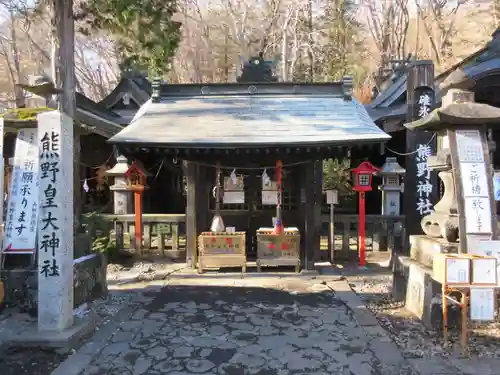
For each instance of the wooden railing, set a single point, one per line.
(383, 233)
(162, 232)
(165, 233)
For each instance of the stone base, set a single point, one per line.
(423, 248)
(32, 337)
(20, 286)
(413, 284)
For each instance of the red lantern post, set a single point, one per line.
(137, 177)
(363, 183)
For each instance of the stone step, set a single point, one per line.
(423, 248)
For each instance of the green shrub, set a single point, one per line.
(100, 231)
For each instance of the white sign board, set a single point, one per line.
(486, 248)
(270, 197)
(233, 197)
(482, 304)
(484, 271)
(332, 196)
(457, 271)
(22, 212)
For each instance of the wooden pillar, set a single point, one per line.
(191, 170)
(310, 225)
(420, 184)
(203, 188)
(318, 202)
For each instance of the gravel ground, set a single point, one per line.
(42, 361)
(415, 340)
(38, 361)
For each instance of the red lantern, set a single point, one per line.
(363, 176)
(363, 183)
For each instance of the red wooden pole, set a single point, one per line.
(138, 219)
(279, 227)
(362, 218)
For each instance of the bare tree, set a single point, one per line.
(439, 25)
(96, 66)
(388, 22)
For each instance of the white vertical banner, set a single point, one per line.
(2, 190)
(55, 222)
(22, 207)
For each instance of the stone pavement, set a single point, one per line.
(230, 326)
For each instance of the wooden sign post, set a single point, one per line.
(421, 190)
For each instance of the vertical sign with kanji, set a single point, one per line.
(474, 180)
(2, 192)
(420, 188)
(55, 221)
(22, 207)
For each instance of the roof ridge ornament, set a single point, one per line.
(347, 87)
(156, 90)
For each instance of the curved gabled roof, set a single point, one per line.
(236, 115)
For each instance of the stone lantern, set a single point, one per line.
(391, 186)
(122, 197)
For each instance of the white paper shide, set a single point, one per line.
(22, 206)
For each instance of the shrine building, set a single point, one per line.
(240, 135)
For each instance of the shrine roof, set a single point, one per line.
(457, 115)
(260, 114)
(136, 85)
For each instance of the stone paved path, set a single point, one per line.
(240, 331)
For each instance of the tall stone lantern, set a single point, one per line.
(122, 197)
(465, 212)
(391, 173)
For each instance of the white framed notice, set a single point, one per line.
(469, 146)
(477, 215)
(22, 212)
(270, 197)
(458, 270)
(233, 197)
(482, 304)
(332, 196)
(484, 271)
(483, 247)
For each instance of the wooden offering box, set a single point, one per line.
(278, 249)
(221, 249)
